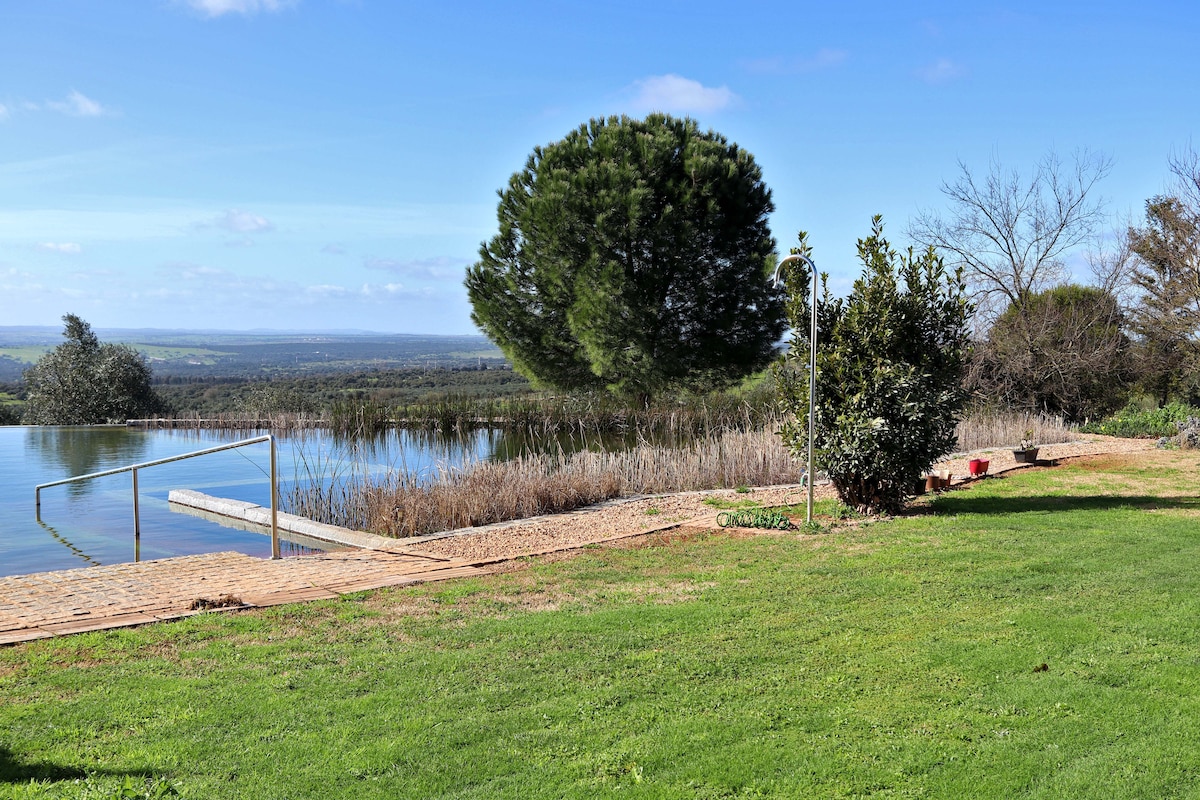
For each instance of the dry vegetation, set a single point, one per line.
(406, 505)
(986, 429)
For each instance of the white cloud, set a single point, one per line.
(941, 71)
(435, 268)
(219, 8)
(69, 248)
(77, 104)
(334, 249)
(242, 222)
(3, 111)
(679, 94)
(825, 58)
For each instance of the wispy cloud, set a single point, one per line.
(941, 71)
(334, 249)
(69, 248)
(676, 93)
(77, 104)
(185, 280)
(238, 221)
(825, 58)
(3, 111)
(435, 268)
(219, 8)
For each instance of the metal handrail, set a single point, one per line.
(137, 523)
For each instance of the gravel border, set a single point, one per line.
(641, 515)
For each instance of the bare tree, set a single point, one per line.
(1011, 235)
(1112, 263)
(1186, 168)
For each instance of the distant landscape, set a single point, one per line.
(259, 354)
(212, 371)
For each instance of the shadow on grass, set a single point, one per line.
(13, 770)
(967, 503)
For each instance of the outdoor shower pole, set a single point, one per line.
(274, 501)
(812, 370)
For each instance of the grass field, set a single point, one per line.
(1032, 637)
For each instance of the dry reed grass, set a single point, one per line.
(985, 429)
(402, 504)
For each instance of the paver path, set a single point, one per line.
(47, 604)
(94, 598)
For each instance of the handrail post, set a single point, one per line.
(137, 521)
(274, 502)
(137, 524)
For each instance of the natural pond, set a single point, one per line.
(90, 523)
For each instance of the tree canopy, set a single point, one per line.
(1167, 317)
(1062, 351)
(632, 256)
(84, 382)
(889, 372)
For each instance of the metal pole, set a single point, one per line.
(137, 522)
(274, 502)
(812, 370)
(812, 394)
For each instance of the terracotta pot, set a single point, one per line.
(932, 483)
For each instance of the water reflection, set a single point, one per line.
(510, 443)
(91, 562)
(81, 451)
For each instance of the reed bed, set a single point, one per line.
(402, 504)
(743, 450)
(989, 428)
(586, 414)
(236, 420)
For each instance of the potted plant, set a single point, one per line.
(1027, 453)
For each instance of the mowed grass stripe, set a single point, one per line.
(1033, 636)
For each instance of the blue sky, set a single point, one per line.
(331, 165)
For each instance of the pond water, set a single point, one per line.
(91, 522)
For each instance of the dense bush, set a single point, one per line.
(1134, 422)
(889, 374)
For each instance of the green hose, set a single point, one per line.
(754, 518)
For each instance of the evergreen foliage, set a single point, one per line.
(1166, 319)
(85, 382)
(1061, 351)
(632, 256)
(889, 372)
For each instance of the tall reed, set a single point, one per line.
(404, 504)
(989, 428)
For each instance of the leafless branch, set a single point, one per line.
(1011, 234)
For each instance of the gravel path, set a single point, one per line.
(623, 518)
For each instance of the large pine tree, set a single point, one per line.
(632, 256)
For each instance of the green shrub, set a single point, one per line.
(889, 373)
(1133, 422)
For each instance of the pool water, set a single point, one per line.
(90, 523)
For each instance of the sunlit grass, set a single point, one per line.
(1032, 637)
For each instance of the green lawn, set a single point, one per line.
(1035, 636)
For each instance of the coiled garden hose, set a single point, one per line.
(754, 518)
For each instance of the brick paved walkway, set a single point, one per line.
(48, 604)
